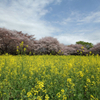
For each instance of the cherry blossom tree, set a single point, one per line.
(73, 49)
(95, 49)
(10, 39)
(47, 45)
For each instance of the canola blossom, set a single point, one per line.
(49, 77)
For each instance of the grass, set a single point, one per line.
(49, 77)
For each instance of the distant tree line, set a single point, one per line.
(86, 44)
(14, 42)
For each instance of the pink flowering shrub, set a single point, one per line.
(66, 50)
(69, 50)
(95, 49)
(73, 49)
(47, 45)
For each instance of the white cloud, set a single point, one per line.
(81, 18)
(58, 1)
(25, 16)
(76, 28)
(68, 39)
(91, 17)
(66, 21)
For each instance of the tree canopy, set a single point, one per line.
(86, 44)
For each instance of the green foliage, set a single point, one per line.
(86, 44)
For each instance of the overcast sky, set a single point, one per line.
(67, 20)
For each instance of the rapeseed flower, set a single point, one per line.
(29, 94)
(64, 97)
(17, 47)
(82, 47)
(46, 97)
(24, 49)
(69, 80)
(88, 80)
(81, 74)
(24, 90)
(39, 98)
(26, 45)
(62, 91)
(40, 84)
(92, 76)
(17, 50)
(35, 92)
(40, 74)
(58, 95)
(70, 65)
(77, 50)
(93, 83)
(92, 97)
(90, 52)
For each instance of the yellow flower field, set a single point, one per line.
(49, 77)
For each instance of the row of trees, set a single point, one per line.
(11, 42)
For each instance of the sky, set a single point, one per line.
(67, 20)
